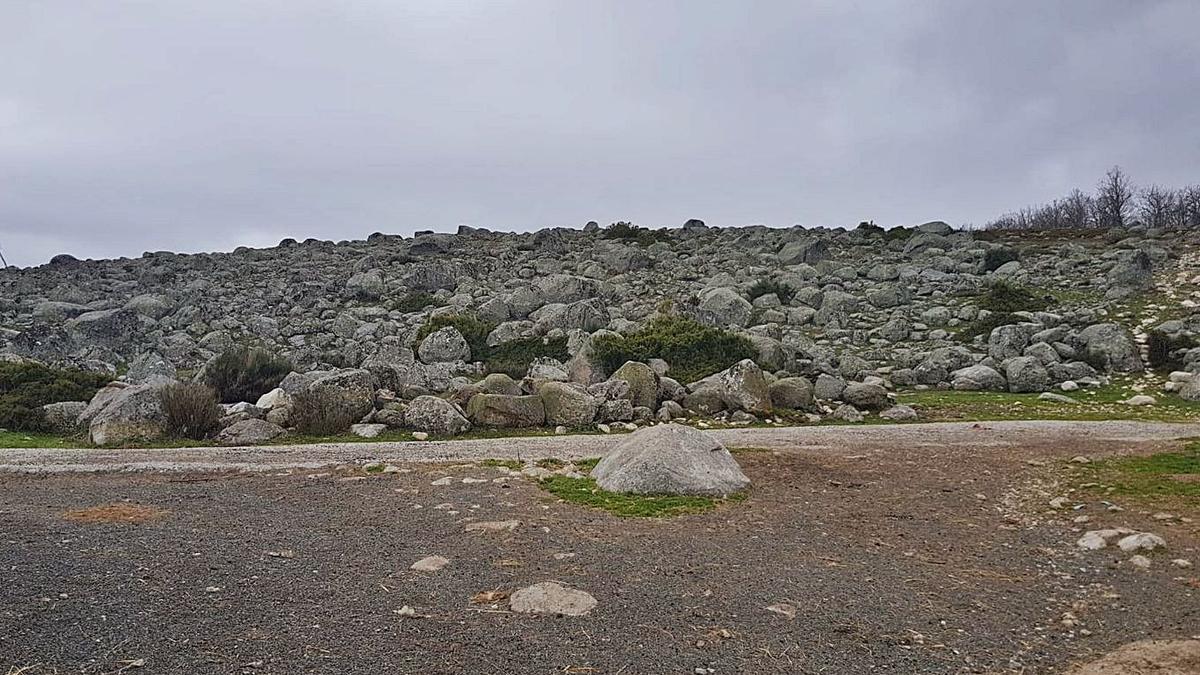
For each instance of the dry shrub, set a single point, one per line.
(191, 410)
(132, 514)
(321, 411)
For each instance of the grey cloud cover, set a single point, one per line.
(133, 126)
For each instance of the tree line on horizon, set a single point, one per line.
(1116, 203)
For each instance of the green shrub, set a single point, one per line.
(996, 257)
(26, 387)
(1160, 346)
(632, 233)
(473, 330)
(513, 357)
(414, 302)
(1006, 297)
(692, 349)
(243, 374)
(321, 411)
(784, 292)
(191, 410)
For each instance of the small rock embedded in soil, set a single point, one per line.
(431, 563)
(551, 597)
(493, 526)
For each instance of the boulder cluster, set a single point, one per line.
(837, 318)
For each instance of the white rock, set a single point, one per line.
(1069, 385)
(551, 597)
(420, 435)
(1140, 399)
(1182, 563)
(1141, 541)
(431, 563)
(1140, 562)
(442, 481)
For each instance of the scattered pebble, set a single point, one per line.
(431, 563)
(551, 597)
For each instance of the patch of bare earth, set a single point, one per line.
(1147, 657)
(129, 514)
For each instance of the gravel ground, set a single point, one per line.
(911, 549)
(314, 456)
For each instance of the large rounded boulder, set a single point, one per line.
(670, 459)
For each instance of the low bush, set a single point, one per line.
(191, 410)
(1161, 346)
(996, 257)
(762, 287)
(514, 357)
(473, 330)
(1005, 297)
(632, 233)
(321, 411)
(244, 374)
(414, 302)
(26, 387)
(693, 350)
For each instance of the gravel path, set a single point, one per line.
(905, 549)
(315, 456)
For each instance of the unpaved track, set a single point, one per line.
(909, 549)
(841, 439)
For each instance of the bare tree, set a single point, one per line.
(1157, 208)
(1078, 210)
(1189, 204)
(1114, 198)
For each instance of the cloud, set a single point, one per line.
(127, 127)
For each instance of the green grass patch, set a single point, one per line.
(505, 463)
(1096, 403)
(628, 232)
(1004, 297)
(1166, 474)
(584, 491)
(21, 439)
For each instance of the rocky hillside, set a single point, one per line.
(909, 307)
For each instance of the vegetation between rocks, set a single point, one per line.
(694, 350)
(191, 410)
(25, 387)
(245, 374)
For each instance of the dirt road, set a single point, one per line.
(914, 549)
(831, 438)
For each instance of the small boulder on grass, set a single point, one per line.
(670, 459)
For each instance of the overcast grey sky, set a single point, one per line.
(132, 126)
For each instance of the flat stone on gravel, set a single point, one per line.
(493, 526)
(551, 597)
(431, 563)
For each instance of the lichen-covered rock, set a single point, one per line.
(792, 393)
(568, 404)
(744, 387)
(437, 416)
(1109, 347)
(63, 417)
(670, 459)
(252, 431)
(866, 396)
(643, 383)
(500, 410)
(1026, 374)
(978, 378)
(127, 414)
(444, 345)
